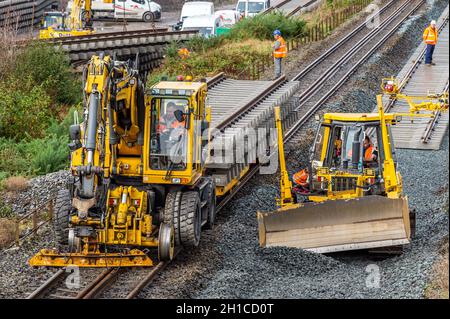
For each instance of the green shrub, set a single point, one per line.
(49, 67)
(262, 27)
(48, 154)
(5, 210)
(13, 160)
(24, 109)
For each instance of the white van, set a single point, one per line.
(206, 24)
(145, 10)
(228, 17)
(250, 8)
(192, 9)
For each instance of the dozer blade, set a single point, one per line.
(338, 225)
(52, 258)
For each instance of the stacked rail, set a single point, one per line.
(149, 44)
(22, 14)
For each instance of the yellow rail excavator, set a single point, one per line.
(138, 175)
(60, 24)
(354, 196)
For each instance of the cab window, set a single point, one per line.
(168, 138)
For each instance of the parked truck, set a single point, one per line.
(250, 8)
(145, 10)
(192, 9)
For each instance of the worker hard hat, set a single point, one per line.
(277, 32)
(433, 22)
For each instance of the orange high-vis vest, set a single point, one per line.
(368, 153)
(430, 35)
(281, 52)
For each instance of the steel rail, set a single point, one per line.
(297, 9)
(321, 80)
(340, 43)
(47, 285)
(409, 74)
(426, 136)
(107, 35)
(296, 127)
(99, 284)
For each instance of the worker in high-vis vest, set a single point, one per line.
(430, 36)
(279, 52)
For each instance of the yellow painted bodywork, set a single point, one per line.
(51, 33)
(195, 94)
(73, 25)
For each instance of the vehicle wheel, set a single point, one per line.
(211, 206)
(166, 242)
(172, 213)
(63, 207)
(148, 17)
(190, 219)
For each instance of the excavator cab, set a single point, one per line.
(346, 151)
(175, 133)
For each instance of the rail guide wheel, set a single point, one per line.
(166, 242)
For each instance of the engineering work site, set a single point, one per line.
(284, 149)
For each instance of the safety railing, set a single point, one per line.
(26, 226)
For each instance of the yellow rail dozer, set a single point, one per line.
(354, 198)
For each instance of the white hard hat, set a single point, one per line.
(433, 22)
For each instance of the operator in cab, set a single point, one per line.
(168, 121)
(370, 152)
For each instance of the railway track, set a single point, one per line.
(415, 80)
(323, 86)
(290, 7)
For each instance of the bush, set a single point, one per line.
(262, 27)
(32, 156)
(15, 183)
(13, 159)
(48, 154)
(24, 109)
(7, 231)
(49, 67)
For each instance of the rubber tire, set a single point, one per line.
(190, 219)
(211, 206)
(148, 17)
(172, 213)
(63, 207)
(166, 242)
